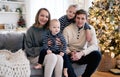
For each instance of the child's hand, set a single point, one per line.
(65, 72)
(49, 51)
(61, 54)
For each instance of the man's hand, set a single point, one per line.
(73, 54)
(77, 55)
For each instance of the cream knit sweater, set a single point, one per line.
(71, 34)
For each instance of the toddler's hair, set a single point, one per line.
(54, 20)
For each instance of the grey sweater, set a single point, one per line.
(34, 41)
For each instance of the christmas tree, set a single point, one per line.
(104, 15)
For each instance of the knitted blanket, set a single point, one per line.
(14, 64)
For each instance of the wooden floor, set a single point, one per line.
(97, 74)
(104, 74)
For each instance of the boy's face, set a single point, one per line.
(71, 12)
(55, 27)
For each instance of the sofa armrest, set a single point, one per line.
(12, 41)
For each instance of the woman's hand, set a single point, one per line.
(49, 43)
(58, 41)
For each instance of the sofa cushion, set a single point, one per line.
(2, 40)
(79, 69)
(11, 41)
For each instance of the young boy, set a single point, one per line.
(57, 45)
(69, 18)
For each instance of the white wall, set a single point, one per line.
(57, 8)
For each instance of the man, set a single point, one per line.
(80, 50)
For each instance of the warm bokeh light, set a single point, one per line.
(104, 15)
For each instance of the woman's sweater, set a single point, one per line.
(34, 41)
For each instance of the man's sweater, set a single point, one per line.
(76, 39)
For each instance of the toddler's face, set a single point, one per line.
(71, 12)
(55, 27)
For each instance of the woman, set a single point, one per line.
(34, 44)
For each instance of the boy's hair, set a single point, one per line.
(81, 11)
(74, 5)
